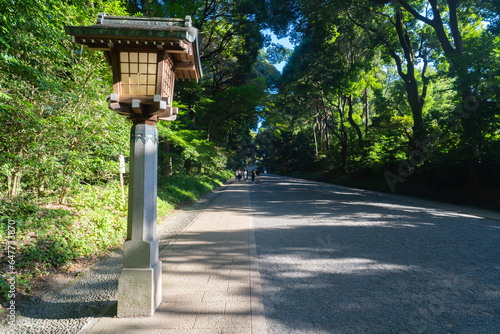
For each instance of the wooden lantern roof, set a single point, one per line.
(176, 36)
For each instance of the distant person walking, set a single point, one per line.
(253, 176)
(257, 176)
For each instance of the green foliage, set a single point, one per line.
(4, 287)
(182, 188)
(188, 151)
(59, 131)
(50, 236)
(373, 84)
(233, 95)
(277, 53)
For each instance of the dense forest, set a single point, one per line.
(393, 95)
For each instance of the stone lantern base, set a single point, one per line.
(139, 292)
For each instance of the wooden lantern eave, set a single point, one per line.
(181, 42)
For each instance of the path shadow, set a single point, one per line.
(336, 260)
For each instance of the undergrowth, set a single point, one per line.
(51, 237)
(181, 188)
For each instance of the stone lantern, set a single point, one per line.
(147, 55)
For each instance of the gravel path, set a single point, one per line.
(340, 260)
(69, 309)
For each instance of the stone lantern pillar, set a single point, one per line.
(139, 284)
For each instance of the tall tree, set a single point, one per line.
(454, 27)
(407, 45)
(58, 130)
(232, 96)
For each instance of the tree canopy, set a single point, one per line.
(59, 131)
(391, 87)
(385, 88)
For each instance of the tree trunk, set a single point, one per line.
(320, 129)
(327, 138)
(343, 152)
(63, 194)
(9, 184)
(188, 165)
(166, 162)
(343, 134)
(366, 111)
(410, 81)
(352, 122)
(16, 183)
(41, 186)
(454, 50)
(315, 140)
